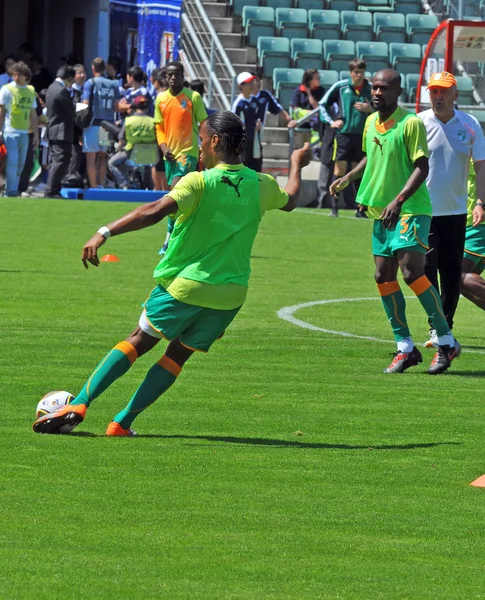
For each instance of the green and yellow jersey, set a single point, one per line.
(472, 195)
(392, 148)
(208, 258)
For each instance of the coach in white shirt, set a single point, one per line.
(453, 138)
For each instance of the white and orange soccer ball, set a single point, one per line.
(52, 402)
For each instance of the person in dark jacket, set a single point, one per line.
(60, 128)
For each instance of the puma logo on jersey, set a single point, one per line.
(228, 182)
(378, 142)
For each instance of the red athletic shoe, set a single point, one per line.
(404, 360)
(62, 421)
(115, 430)
(443, 358)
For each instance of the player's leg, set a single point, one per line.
(431, 268)
(472, 283)
(102, 168)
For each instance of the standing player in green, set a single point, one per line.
(178, 111)
(203, 277)
(393, 174)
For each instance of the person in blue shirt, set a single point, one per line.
(135, 79)
(103, 94)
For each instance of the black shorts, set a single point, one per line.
(249, 161)
(349, 147)
(160, 166)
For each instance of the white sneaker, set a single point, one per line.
(433, 340)
(41, 187)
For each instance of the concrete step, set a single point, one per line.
(276, 134)
(225, 25)
(276, 150)
(240, 55)
(230, 40)
(275, 166)
(215, 9)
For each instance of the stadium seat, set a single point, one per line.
(238, 5)
(478, 114)
(341, 5)
(284, 82)
(375, 54)
(292, 22)
(328, 78)
(345, 75)
(405, 58)
(420, 27)
(356, 25)
(465, 89)
(279, 3)
(306, 53)
(390, 27)
(338, 53)
(412, 80)
(311, 4)
(324, 24)
(257, 21)
(273, 52)
(407, 7)
(376, 5)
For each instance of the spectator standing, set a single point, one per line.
(453, 138)
(113, 70)
(305, 99)
(160, 85)
(41, 77)
(17, 114)
(105, 96)
(8, 63)
(75, 177)
(135, 79)
(60, 129)
(353, 98)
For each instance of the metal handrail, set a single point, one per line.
(205, 60)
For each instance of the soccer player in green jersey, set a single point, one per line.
(472, 283)
(203, 277)
(393, 173)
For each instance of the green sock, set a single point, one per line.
(395, 307)
(431, 302)
(157, 381)
(170, 224)
(115, 364)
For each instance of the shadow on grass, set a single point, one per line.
(83, 434)
(291, 444)
(466, 373)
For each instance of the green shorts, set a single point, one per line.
(410, 233)
(196, 327)
(180, 167)
(475, 245)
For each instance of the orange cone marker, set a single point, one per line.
(480, 482)
(110, 258)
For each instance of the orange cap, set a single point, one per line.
(443, 79)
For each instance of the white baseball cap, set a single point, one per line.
(245, 77)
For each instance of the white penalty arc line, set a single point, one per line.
(287, 314)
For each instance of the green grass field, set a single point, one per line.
(283, 465)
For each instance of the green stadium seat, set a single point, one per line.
(407, 7)
(273, 52)
(412, 80)
(284, 82)
(237, 6)
(478, 114)
(376, 5)
(324, 24)
(279, 3)
(338, 53)
(390, 27)
(375, 54)
(345, 75)
(465, 89)
(257, 21)
(292, 22)
(328, 78)
(341, 5)
(405, 58)
(420, 27)
(311, 4)
(307, 53)
(356, 25)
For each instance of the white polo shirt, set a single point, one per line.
(450, 146)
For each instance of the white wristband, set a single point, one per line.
(104, 231)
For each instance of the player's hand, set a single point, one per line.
(258, 125)
(364, 107)
(167, 153)
(90, 250)
(478, 215)
(338, 185)
(390, 215)
(291, 124)
(338, 124)
(301, 158)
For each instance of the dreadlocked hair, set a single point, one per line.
(231, 131)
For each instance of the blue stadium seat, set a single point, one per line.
(284, 82)
(257, 21)
(324, 24)
(307, 54)
(338, 53)
(356, 25)
(407, 7)
(341, 5)
(375, 54)
(412, 80)
(390, 27)
(311, 4)
(465, 89)
(420, 27)
(273, 52)
(292, 22)
(237, 6)
(345, 75)
(405, 58)
(279, 3)
(478, 114)
(328, 78)
(376, 5)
